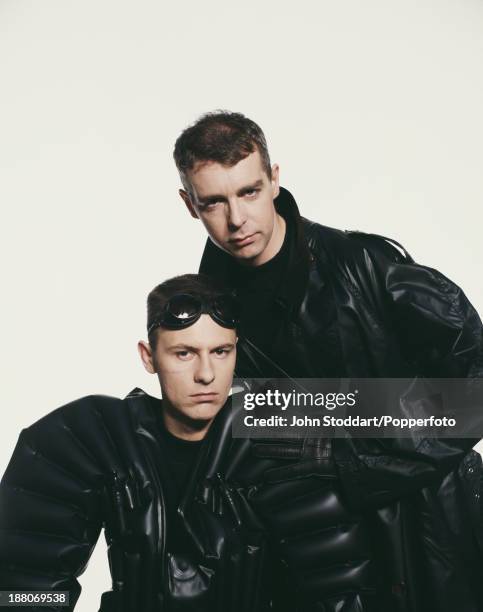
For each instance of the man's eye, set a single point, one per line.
(183, 355)
(210, 205)
(222, 352)
(251, 193)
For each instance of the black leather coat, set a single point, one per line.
(365, 525)
(97, 463)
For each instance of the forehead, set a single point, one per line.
(204, 334)
(211, 177)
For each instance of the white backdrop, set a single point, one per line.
(372, 109)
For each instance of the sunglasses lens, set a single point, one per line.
(226, 310)
(182, 309)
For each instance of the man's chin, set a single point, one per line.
(204, 412)
(246, 255)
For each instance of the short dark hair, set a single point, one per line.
(219, 136)
(202, 286)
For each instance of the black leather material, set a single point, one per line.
(420, 552)
(97, 463)
(376, 525)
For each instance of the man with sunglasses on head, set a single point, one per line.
(356, 524)
(147, 470)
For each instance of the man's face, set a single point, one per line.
(195, 368)
(235, 204)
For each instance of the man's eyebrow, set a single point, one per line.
(211, 198)
(208, 199)
(194, 349)
(183, 347)
(251, 187)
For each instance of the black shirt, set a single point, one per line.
(180, 456)
(257, 287)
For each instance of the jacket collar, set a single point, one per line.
(218, 264)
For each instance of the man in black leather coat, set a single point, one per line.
(355, 525)
(134, 466)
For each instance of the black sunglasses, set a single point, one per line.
(184, 309)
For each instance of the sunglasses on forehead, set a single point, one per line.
(184, 309)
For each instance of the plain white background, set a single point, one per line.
(372, 109)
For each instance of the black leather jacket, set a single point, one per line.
(365, 525)
(97, 463)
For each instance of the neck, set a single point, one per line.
(274, 244)
(186, 429)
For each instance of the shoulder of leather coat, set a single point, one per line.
(334, 244)
(85, 405)
(89, 407)
(89, 437)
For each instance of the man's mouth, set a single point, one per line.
(204, 397)
(243, 240)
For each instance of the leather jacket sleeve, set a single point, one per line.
(440, 335)
(49, 513)
(437, 327)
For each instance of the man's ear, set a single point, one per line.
(275, 180)
(189, 204)
(146, 354)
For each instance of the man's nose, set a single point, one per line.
(236, 214)
(205, 372)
